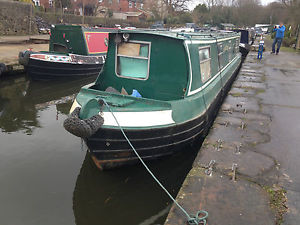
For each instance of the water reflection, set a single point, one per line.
(17, 111)
(20, 100)
(128, 195)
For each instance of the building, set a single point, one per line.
(227, 26)
(45, 3)
(130, 16)
(36, 2)
(121, 6)
(132, 10)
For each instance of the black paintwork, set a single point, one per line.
(43, 70)
(244, 51)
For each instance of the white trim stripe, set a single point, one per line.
(139, 119)
(190, 65)
(135, 119)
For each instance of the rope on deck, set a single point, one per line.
(192, 220)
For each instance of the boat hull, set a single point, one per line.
(244, 50)
(109, 149)
(45, 70)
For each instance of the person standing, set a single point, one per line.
(278, 37)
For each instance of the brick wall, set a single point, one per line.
(121, 5)
(91, 21)
(15, 18)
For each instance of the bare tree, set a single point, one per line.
(212, 3)
(157, 8)
(293, 8)
(176, 5)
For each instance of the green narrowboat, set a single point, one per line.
(177, 81)
(74, 51)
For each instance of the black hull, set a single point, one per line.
(151, 144)
(43, 70)
(109, 149)
(244, 51)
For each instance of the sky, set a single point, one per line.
(196, 2)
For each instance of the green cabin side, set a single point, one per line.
(167, 67)
(67, 39)
(203, 89)
(211, 60)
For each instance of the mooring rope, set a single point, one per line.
(192, 220)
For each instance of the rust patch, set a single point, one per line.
(109, 164)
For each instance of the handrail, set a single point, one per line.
(210, 35)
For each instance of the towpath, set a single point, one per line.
(255, 142)
(23, 39)
(10, 46)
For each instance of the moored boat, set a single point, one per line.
(74, 51)
(244, 42)
(177, 81)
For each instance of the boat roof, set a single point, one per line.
(205, 35)
(65, 27)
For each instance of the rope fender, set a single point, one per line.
(82, 128)
(24, 57)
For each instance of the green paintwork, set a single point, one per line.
(171, 82)
(121, 103)
(156, 86)
(76, 43)
(75, 36)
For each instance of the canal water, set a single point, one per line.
(47, 176)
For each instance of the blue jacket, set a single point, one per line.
(280, 31)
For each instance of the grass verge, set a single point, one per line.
(278, 200)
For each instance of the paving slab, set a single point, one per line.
(250, 85)
(248, 115)
(224, 199)
(240, 104)
(243, 92)
(234, 134)
(229, 155)
(251, 71)
(249, 78)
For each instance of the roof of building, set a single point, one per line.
(227, 24)
(139, 1)
(133, 13)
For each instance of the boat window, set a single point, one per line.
(220, 47)
(230, 50)
(133, 60)
(60, 48)
(204, 57)
(220, 55)
(237, 45)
